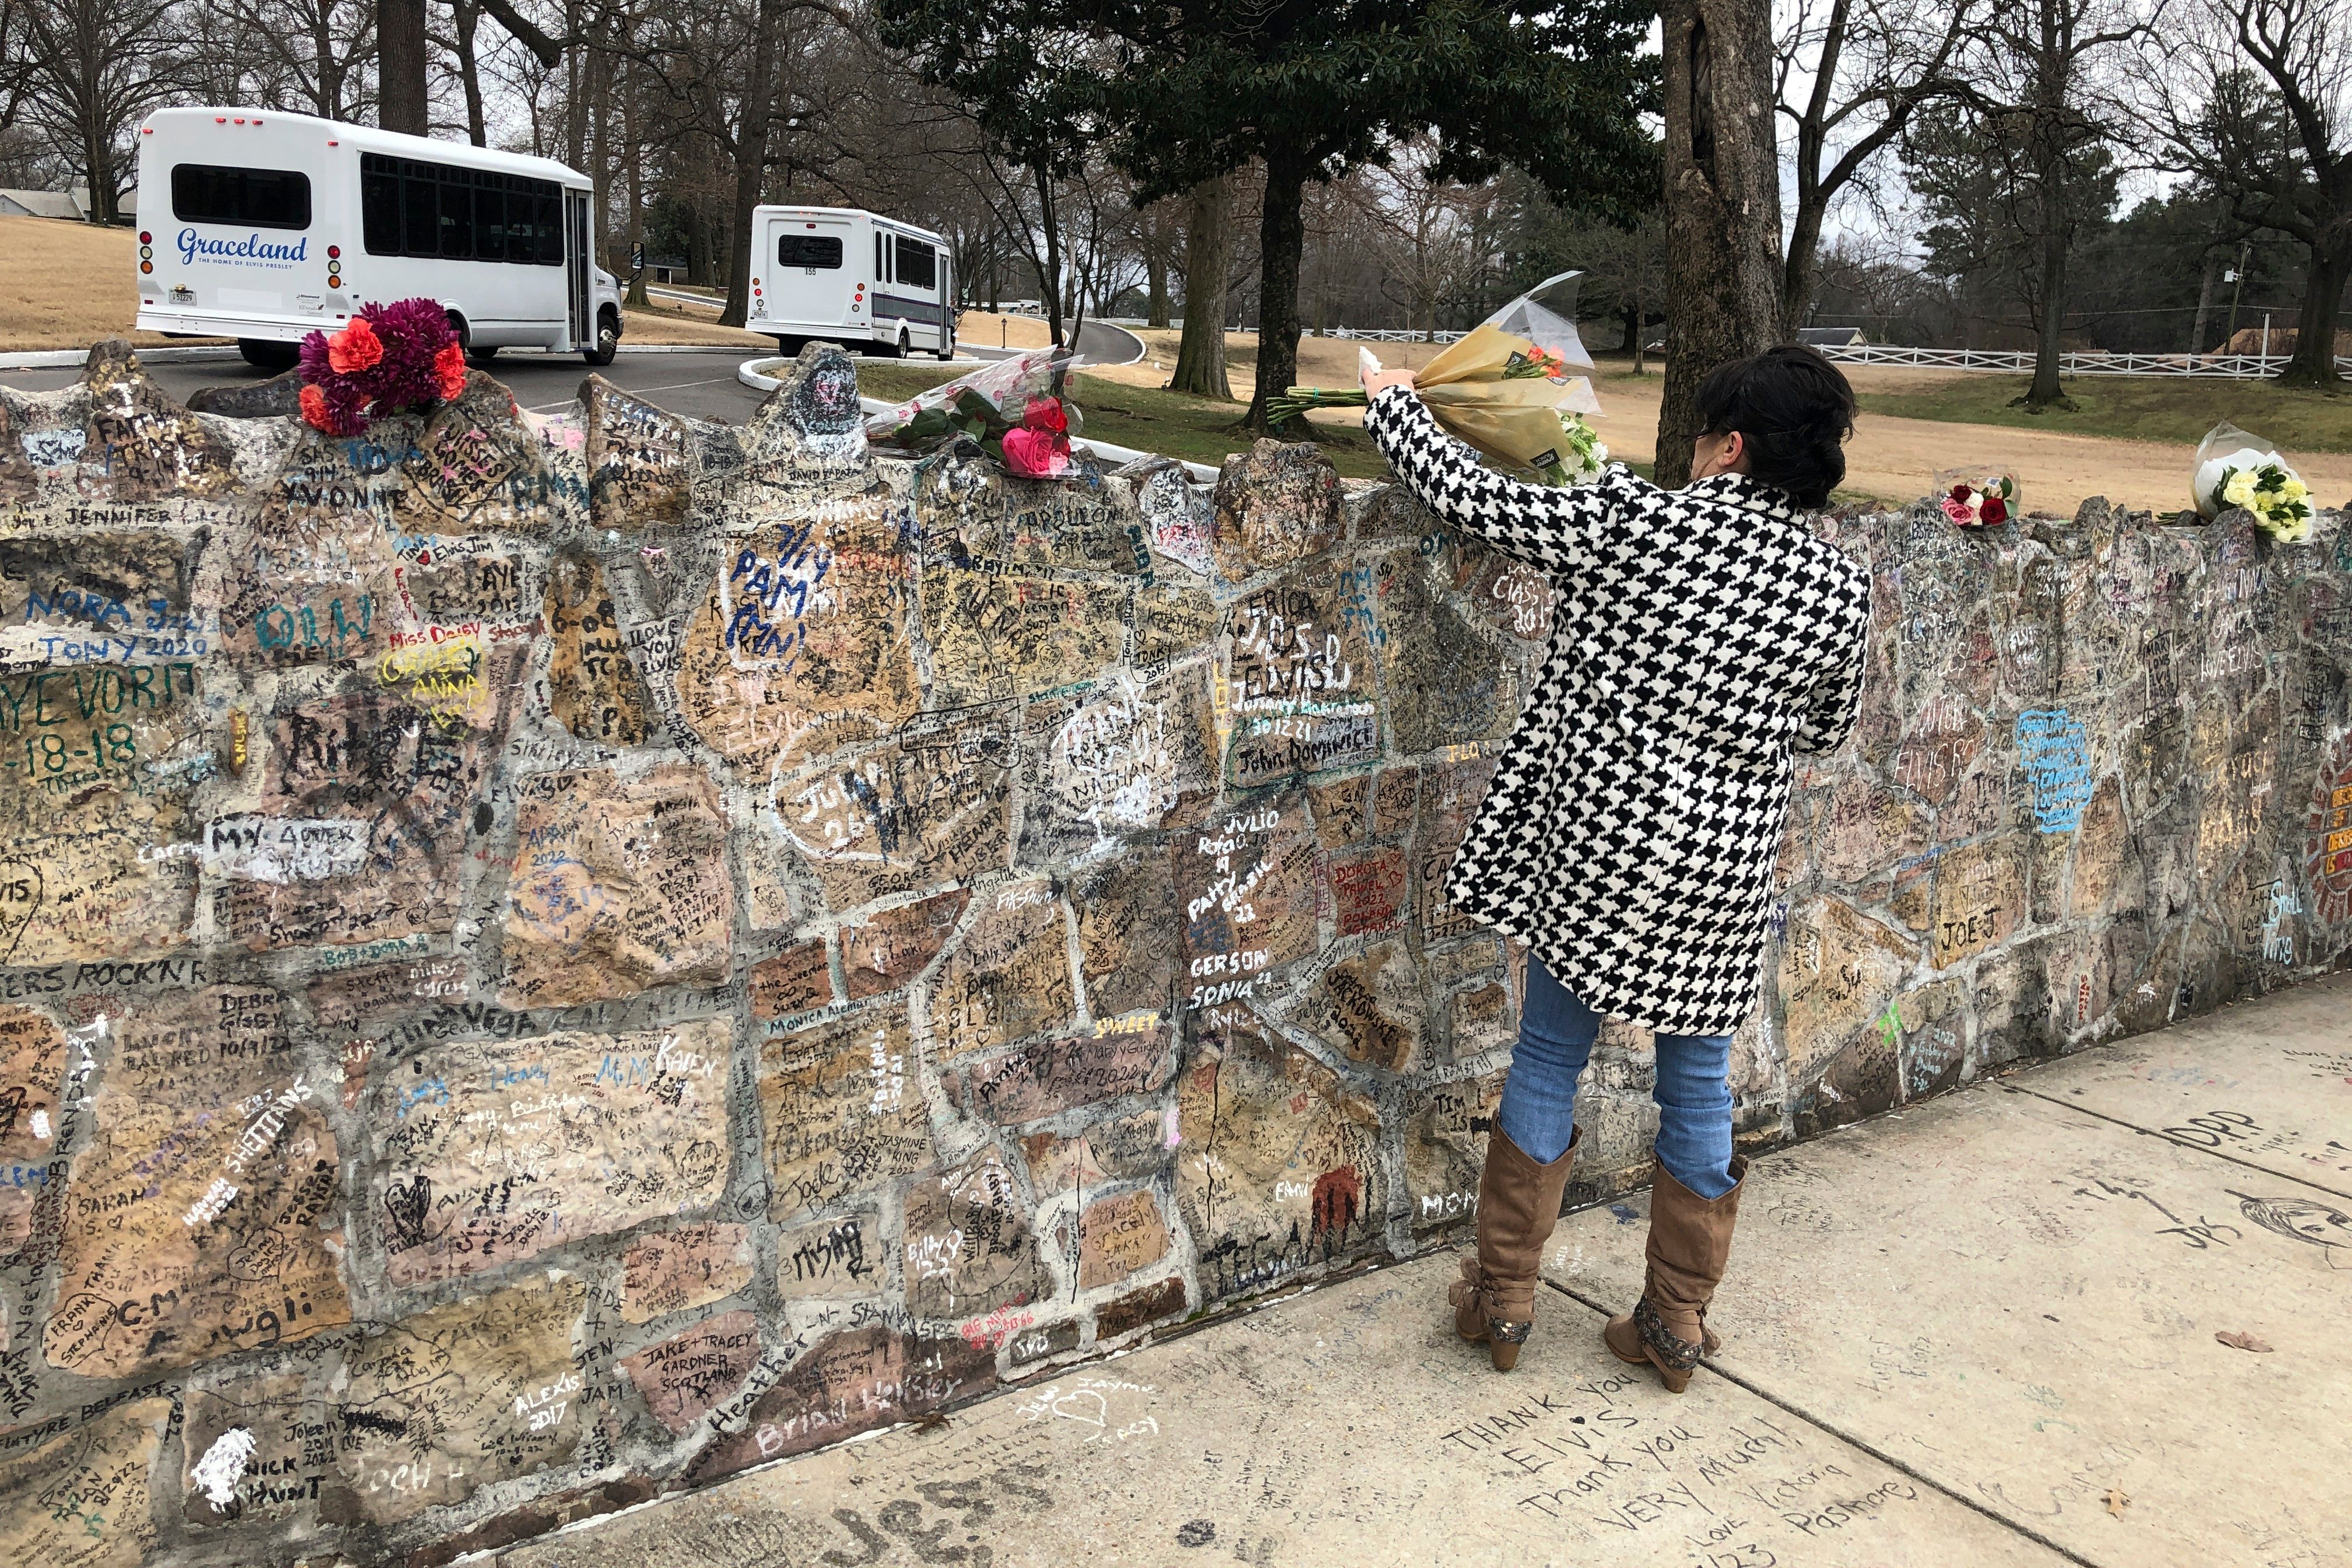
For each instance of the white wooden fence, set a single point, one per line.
(2020, 362)
(2008, 361)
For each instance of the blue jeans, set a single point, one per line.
(1694, 1090)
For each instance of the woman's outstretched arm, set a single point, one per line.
(1544, 525)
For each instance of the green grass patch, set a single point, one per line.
(1197, 429)
(2136, 408)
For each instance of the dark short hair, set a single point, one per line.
(1794, 408)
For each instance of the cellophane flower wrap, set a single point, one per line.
(1017, 408)
(1506, 388)
(1981, 495)
(388, 359)
(2235, 468)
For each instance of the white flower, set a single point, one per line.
(2214, 470)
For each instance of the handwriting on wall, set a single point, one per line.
(597, 945)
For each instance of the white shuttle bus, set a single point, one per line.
(262, 226)
(852, 278)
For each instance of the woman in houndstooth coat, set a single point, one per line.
(1629, 838)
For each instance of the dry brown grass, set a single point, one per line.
(66, 284)
(663, 325)
(1890, 457)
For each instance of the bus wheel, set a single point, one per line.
(900, 352)
(608, 339)
(263, 354)
(790, 348)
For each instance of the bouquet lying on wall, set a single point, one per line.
(1016, 408)
(1977, 497)
(1504, 388)
(389, 358)
(2236, 468)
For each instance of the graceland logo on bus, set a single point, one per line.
(252, 247)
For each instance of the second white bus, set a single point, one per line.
(850, 276)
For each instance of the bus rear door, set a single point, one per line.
(580, 264)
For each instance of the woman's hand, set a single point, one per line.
(1376, 382)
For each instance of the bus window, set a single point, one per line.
(421, 205)
(490, 223)
(244, 198)
(457, 220)
(819, 250)
(379, 210)
(547, 204)
(918, 264)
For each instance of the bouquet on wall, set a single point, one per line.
(1016, 408)
(2237, 469)
(1504, 388)
(1977, 497)
(388, 358)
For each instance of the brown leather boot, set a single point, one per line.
(1690, 1242)
(1519, 1204)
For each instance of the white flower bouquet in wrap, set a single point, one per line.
(2236, 468)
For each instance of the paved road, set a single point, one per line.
(701, 384)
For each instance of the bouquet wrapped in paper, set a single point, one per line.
(1016, 408)
(2237, 469)
(1506, 388)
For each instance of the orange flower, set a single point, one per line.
(314, 408)
(355, 348)
(449, 370)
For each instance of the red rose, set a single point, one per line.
(355, 348)
(1046, 413)
(1996, 511)
(1959, 493)
(449, 372)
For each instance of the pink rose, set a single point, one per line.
(1035, 454)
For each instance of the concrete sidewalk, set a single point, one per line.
(1979, 1332)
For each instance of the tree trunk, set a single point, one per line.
(600, 167)
(636, 298)
(2313, 363)
(1282, 241)
(1725, 288)
(2045, 392)
(2204, 302)
(1802, 269)
(1636, 330)
(752, 161)
(1049, 275)
(1201, 352)
(1155, 277)
(401, 53)
(467, 18)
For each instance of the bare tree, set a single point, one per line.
(2038, 84)
(2274, 142)
(96, 67)
(1864, 68)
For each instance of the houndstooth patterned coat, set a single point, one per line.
(1630, 832)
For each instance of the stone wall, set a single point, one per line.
(551, 959)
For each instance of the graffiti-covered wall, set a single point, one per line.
(551, 959)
